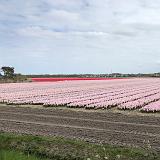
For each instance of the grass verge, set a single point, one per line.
(65, 149)
(14, 155)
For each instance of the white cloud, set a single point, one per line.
(61, 15)
(69, 34)
(45, 33)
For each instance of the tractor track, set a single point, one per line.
(96, 127)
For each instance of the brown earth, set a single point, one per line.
(98, 127)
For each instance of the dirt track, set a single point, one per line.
(105, 127)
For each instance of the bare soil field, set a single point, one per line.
(98, 127)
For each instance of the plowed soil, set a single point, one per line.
(97, 127)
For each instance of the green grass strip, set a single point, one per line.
(14, 155)
(65, 149)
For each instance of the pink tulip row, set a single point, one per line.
(123, 94)
(110, 101)
(140, 102)
(152, 107)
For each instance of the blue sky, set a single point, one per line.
(80, 36)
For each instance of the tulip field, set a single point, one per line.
(42, 108)
(123, 94)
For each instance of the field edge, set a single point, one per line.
(65, 148)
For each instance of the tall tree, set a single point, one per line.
(8, 71)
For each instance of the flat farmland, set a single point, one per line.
(95, 127)
(120, 112)
(123, 94)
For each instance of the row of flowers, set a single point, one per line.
(124, 94)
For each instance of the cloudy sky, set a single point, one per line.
(80, 36)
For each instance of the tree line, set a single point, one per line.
(7, 74)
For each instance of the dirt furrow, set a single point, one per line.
(99, 127)
(90, 134)
(104, 116)
(109, 125)
(80, 127)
